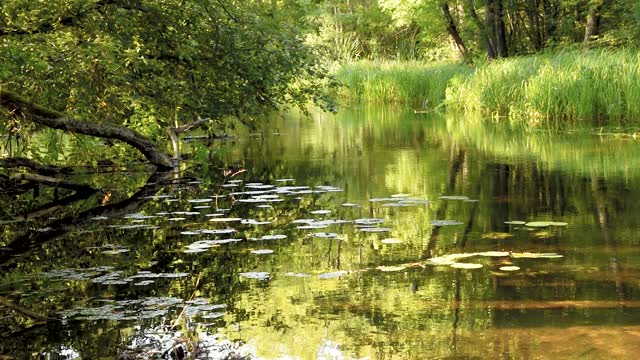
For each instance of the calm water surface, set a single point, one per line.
(371, 234)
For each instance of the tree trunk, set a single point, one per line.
(592, 28)
(501, 34)
(56, 120)
(452, 28)
(484, 33)
(534, 24)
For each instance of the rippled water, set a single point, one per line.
(371, 234)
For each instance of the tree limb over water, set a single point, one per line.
(20, 106)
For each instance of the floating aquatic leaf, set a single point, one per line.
(189, 232)
(202, 207)
(332, 275)
(494, 253)
(265, 206)
(262, 251)
(235, 181)
(400, 195)
(390, 268)
(115, 251)
(496, 235)
(255, 275)
(545, 223)
(230, 185)
(445, 222)
(218, 231)
(271, 237)
(368, 221)
(454, 197)
(226, 219)
(515, 222)
(321, 212)
(254, 222)
(374, 229)
(139, 216)
(440, 261)
(177, 219)
(509, 268)
(536, 255)
(312, 227)
(285, 180)
(100, 218)
(466, 266)
(324, 235)
(185, 213)
(329, 188)
(144, 283)
(300, 275)
(350, 205)
(198, 201)
(391, 241)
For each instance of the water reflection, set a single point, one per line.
(377, 233)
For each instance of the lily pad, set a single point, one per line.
(509, 268)
(391, 241)
(515, 222)
(466, 266)
(321, 212)
(529, 255)
(225, 219)
(255, 275)
(262, 251)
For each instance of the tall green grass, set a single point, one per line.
(578, 85)
(396, 82)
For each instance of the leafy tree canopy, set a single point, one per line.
(147, 64)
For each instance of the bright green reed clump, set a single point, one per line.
(588, 85)
(592, 85)
(396, 82)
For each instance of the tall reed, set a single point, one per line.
(396, 82)
(577, 85)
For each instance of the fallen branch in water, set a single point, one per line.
(28, 313)
(51, 181)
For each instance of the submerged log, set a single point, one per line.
(57, 120)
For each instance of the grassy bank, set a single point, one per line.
(396, 82)
(596, 85)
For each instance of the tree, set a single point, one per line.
(149, 65)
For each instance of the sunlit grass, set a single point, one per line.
(590, 85)
(396, 82)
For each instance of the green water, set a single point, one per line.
(325, 245)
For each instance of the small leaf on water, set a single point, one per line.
(391, 241)
(515, 222)
(466, 266)
(262, 252)
(509, 268)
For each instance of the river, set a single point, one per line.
(374, 233)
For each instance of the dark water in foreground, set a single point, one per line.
(373, 234)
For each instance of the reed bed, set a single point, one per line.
(396, 82)
(602, 86)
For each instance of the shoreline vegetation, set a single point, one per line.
(600, 86)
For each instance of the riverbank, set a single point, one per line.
(598, 86)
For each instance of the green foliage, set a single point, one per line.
(147, 64)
